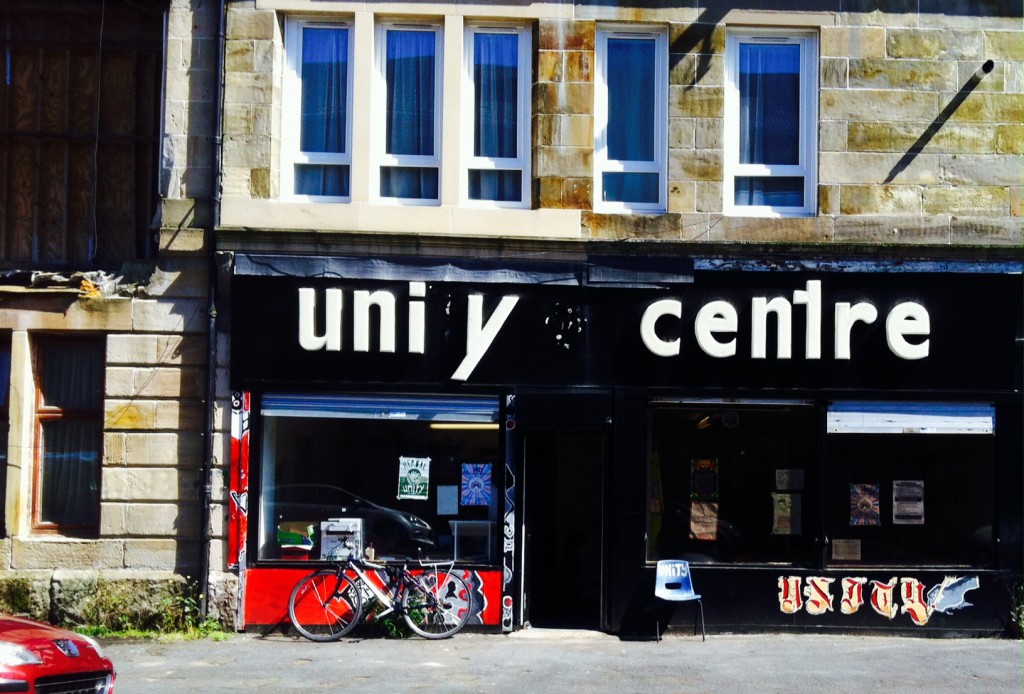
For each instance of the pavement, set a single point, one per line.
(545, 660)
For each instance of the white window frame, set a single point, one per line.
(472, 162)
(602, 163)
(808, 157)
(380, 158)
(291, 113)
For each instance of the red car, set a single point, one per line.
(37, 657)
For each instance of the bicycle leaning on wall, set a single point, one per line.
(329, 603)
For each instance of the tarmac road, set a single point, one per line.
(540, 660)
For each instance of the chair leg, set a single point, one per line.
(703, 632)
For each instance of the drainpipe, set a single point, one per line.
(211, 317)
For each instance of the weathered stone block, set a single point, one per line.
(879, 229)
(708, 133)
(696, 165)
(880, 73)
(579, 66)
(1004, 45)
(901, 137)
(709, 197)
(248, 23)
(134, 484)
(681, 134)
(696, 69)
(239, 55)
(248, 88)
(153, 449)
(682, 196)
(168, 520)
(565, 162)
(1017, 201)
(621, 226)
(783, 230)
(989, 108)
(549, 66)
(828, 200)
(986, 231)
(564, 97)
(565, 35)
(547, 130)
(994, 81)
(117, 600)
(577, 193)
(156, 349)
(968, 200)
(35, 553)
(935, 43)
(878, 105)
(179, 315)
(696, 102)
(550, 192)
(167, 555)
(881, 199)
(577, 131)
(834, 73)
(832, 135)
(697, 37)
(852, 42)
(25, 593)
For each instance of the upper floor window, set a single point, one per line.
(318, 141)
(497, 170)
(79, 132)
(409, 143)
(770, 123)
(69, 434)
(630, 121)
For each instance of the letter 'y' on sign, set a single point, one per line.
(480, 335)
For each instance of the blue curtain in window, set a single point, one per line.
(409, 127)
(324, 109)
(496, 81)
(495, 114)
(631, 104)
(769, 104)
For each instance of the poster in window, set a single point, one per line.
(704, 520)
(864, 506)
(908, 502)
(476, 484)
(846, 550)
(787, 514)
(413, 478)
(704, 479)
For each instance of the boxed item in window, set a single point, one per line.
(341, 536)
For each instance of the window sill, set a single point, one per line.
(275, 215)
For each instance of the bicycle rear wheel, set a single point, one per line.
(325, 605)
(437, 604)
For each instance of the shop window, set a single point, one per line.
(318, 130)
(910, 484)
(731, 484)
(497, 59)
(770, 123)
(630, 121)
(410, 147)
(409, 476)
(69, 434)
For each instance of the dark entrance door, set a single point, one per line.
(563, 491)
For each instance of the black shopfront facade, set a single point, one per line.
(833, 443)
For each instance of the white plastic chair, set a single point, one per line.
(673, 583)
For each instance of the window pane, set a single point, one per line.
(410, 93)
(496, 86)
(69, 470)
(630, 187)
(324, 89)
(732, 484)
(502, 186)
(631, 99)
(769, 77)
(888, 498)
(318, 468)
(781, 191)
(417, 183)
(72, 377)
(321, 180)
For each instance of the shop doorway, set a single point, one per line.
(563, 492)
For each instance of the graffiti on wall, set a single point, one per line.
(816, 595)
(509, 529)
(238, 490)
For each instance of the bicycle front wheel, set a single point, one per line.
(325, 605)
(436, 604)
